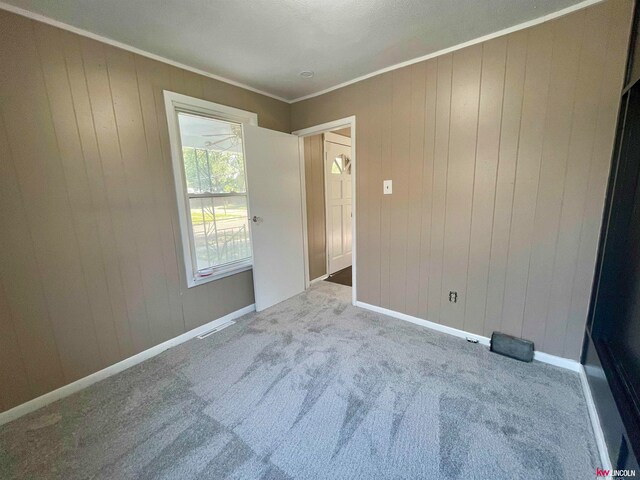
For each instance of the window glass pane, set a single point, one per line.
(220, 230)
(212, 154)
(341, 164)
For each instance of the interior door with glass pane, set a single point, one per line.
(338, 199)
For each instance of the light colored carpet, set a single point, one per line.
(314, 388)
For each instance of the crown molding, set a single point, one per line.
(475, 41)
(114, 43)
(153, 56)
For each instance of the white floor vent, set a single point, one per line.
(215, 330)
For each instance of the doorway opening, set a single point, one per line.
(328, 157)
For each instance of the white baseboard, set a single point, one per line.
(82, 383)
(111, 370)
(425, 323)
(557, 361)
(595, 421)
(539, 356)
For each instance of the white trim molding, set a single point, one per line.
(71, 388)
(324, 128)
(85, 33)
(425, 323)
(176, 103)
(460, 46)
(603, 451)
(114, 43)
(319, 279)
(337, 138)
(327, 127)
(561, 362)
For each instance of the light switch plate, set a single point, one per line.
(387, 187)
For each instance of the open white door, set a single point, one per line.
(275, 207)
(338, 205)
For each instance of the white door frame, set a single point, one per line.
(323, 128)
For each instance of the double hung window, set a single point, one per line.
(210, 176)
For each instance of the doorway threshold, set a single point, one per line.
(343, 277)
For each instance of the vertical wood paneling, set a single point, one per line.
(465, 95)
(213, 91)
(193, 84)
(91, 266)
(585, 114)
(90, 257)
(38, 166)
(517, 136)
(50, 44)
(369, 287)
(399, 201)
(439, 184)
(316, 227)
(568, 33)
(386, 146)
(162, 79)
(415, 192)
(22, 285)
(149, 75)
(505, 181)
(609, 95)
(235, 293)
(363, 181)
(534, 109)
(143, 221)
(97, 190)
(12, 369)
(112, 163)
(431, 79)
(484, 187)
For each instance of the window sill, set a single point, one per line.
(221, 273)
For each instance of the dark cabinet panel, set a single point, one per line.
(611, 354)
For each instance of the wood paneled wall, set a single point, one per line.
(316, 222)
(91, 270)
(499, 154)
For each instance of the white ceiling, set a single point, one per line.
(266, 43)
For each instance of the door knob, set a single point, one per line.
(256, 219)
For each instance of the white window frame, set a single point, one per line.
(174, 103)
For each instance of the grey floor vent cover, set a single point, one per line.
(513, 347)
(217, 329)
